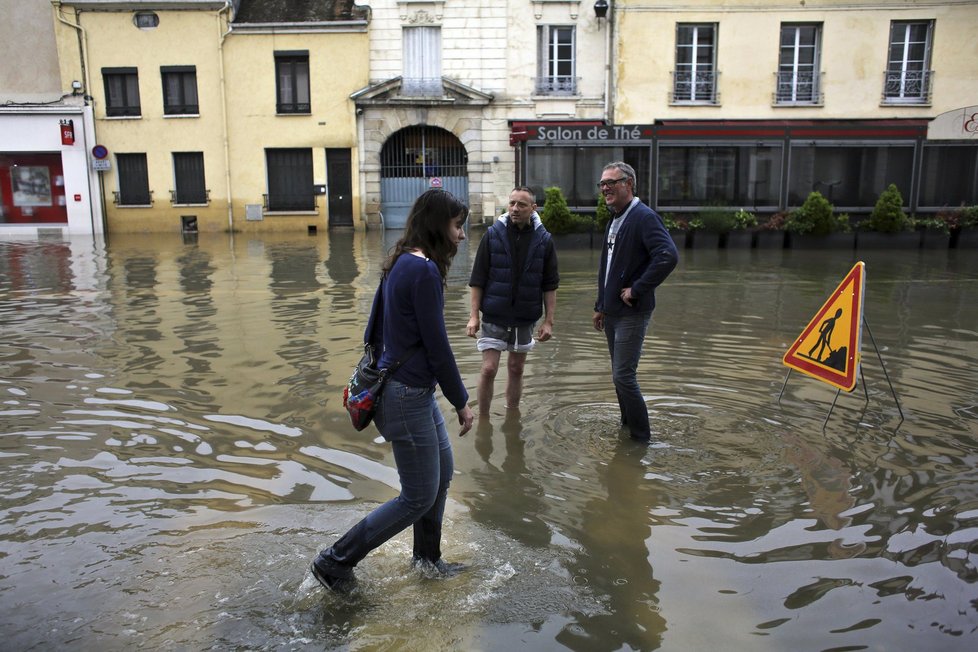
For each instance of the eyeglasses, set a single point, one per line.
(610, 183)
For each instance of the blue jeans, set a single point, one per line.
(409, 418)
(626, 335)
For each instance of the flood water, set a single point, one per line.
(175, 452)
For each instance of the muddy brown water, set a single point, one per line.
(175, 451)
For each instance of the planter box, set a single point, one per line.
(577, 240)
(738, 240)
(930, 239)
(705, 240)
(679, 237)
(875, 240)
(838, 241)
(770, 240)
(967, 238)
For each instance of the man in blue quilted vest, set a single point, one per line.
(514, 282)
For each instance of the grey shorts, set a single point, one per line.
(516, 339)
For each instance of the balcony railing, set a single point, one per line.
(190, 198)
(694, 88)
(132, 199)
(907, 86)
(798, 88)
(560, 85)
(283, 202)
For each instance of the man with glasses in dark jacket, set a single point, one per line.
(637, 256)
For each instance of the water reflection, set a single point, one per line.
(175, 451)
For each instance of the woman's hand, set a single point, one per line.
(465, 419)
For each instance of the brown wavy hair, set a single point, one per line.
(427, 230)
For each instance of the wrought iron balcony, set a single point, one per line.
(798, 88)
(694, 88)
(557, 85)
(907, 86)
(132, 199)
(285, 202)
(190, 198)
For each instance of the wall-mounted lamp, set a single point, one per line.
(601, 8)
(75, 87)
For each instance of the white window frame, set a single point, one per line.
(694, 68)
(551, 81)
(791, 75)
(906, 80)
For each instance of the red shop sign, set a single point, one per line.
(67, 132)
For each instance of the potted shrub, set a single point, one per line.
(771, 234)
(966, 234)
(710, 226)
(559, 220)
(935, 232)
(888, 227)
(814, 225)
(678, 228)
(741, 236)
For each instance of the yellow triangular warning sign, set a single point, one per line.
(828, 348)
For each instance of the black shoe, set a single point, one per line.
(332, 582)
(440, 568)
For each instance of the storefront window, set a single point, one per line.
(727, 175)
(849, 176)
(32, 188)
(575, 170)
(949, 176)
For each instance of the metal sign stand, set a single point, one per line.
(863, 375)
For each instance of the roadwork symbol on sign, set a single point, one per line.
(829, 347)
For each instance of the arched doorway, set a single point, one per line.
(415, 159)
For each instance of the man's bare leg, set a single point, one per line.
(514, 381)
(490, 365)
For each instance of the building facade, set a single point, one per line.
(756, 104)
(219, 115)
(46, 131)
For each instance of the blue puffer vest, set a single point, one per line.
(500, 305)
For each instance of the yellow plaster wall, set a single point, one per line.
(182, 38)
(338, 66)
(854, 50)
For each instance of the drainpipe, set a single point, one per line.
(224, 111)
(608, 73)
(88, 126)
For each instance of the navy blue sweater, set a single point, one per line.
(414, 306)
(644, 256)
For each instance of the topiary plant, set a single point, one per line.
(816, 217)
(718, 220)
(744, 219)
(888, 215)
(556, 216)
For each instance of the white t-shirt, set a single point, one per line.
(613, 235)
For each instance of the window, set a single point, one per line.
(850, 176)
(188, 177)
(179, 90)
(292, 82)
(798, 74)
(422, 61)
(121, 91)
(908, 79)
(695, 77)
(289, 180)
(557, 47)
(949, 176)
(695, 175)
(146, 20)
(133, 180)
(576, 169)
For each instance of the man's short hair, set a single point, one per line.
(624, 168)
(527, 190)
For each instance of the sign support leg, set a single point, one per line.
(783, 386)
(837, 392)
(885, 374)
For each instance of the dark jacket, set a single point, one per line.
(644, 255)
(514, 274)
